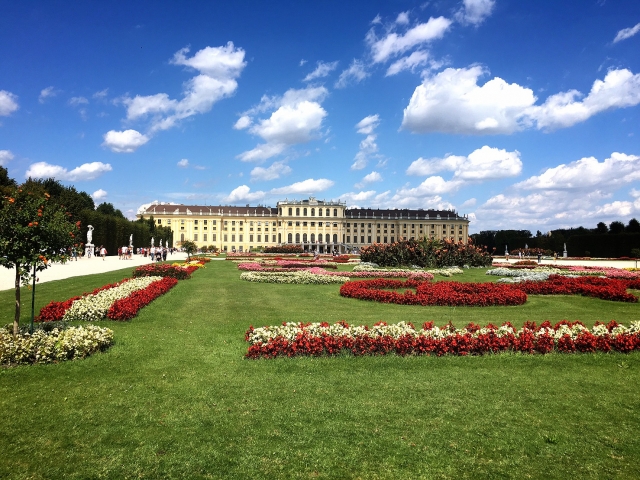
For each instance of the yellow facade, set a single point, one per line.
(323, 226)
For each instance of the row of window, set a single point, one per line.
(313, 212)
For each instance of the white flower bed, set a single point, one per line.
(445, 272)
(54, 346)
(291, 330)
(95, 307)
(301, 277)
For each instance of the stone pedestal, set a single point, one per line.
(89, 247)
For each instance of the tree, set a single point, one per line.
(35, 232)
(189, 247)
(633, 226)
(109, 209)
(616, 227)
(602, 228)
(5, 180)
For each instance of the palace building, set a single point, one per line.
(316, 225)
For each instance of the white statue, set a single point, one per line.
(89, 234)
(131, 240)
(151, 242)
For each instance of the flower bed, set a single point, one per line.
(128, 307)
(486, 294)
(439, 293)
(316, 339)
(298, 277)
(162, 270)
(56, 345)
(97, 305)
(603, 288)
(445, 271)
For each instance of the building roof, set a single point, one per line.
(404, 213)
(209, 210)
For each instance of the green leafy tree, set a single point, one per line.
(109, 209)
(5, 180)
(189, 247)
(633, 226)
(616, 227)
(35, 232)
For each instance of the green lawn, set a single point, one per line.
(174, 398)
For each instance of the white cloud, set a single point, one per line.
(127, 141)
(322, 70)
(452, 102)
(102, 94)
(8, 103)
(354, 74)
(475, 11)
(368, 146)
(550, 209)
(99, 194)
(587, 174)
(243, 194)
(77, 101)
(243, 122)
(296, 118)
(262, 152)
(485, 163)
(368, 124)
(402, 18)
(393, 43)
(308, 186)
(369, 178)
(435, 185)
(47, 93)
(619, 89)
(469, 203)
(276, 170)
(184, 163)
(627, 33)
(410, 62)
(217, 67)
(141, 106)
(291, 124)
(5, 157)
(86, 171)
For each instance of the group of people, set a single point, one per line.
(156, 254)
(125, 253)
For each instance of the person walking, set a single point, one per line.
(103, 252)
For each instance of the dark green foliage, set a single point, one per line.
(608, 246)
(5, 180)
(633, 226)
(425, 252)
(284, 249)
(109, 209)
(616, 227)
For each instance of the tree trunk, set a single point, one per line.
(16, 318)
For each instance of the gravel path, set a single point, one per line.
(83, 266)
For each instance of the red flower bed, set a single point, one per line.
(486, 294)
(127, 308)
(603, 288)
(439, 293)
(54, 311)
(164, 270)
(564, 337)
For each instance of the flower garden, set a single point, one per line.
(116, 301)
(400, 390)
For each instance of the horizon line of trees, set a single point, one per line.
(614, 240)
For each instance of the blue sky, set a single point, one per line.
(520, 114)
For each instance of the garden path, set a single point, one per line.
(83, 266)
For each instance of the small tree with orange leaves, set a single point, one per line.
(34, 232)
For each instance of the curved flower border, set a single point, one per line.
(487, 294)
(318, 339)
